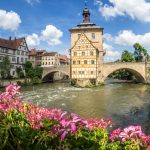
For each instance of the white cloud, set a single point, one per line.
(32, 1)
(33, 40)
(136, 9)
(9, 20)
(128, 38)
(51, 35)
(111, 54)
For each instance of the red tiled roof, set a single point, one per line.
(63, 58)
(34, 52)
(13, 44)
(50, 54)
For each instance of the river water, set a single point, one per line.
(126, 103)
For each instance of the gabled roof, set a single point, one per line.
(86, 38)
(12, 44)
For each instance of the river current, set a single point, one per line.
(126, 103)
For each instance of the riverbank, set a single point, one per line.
(4, 83)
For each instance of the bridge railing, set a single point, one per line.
(56, 66)
(109, 63)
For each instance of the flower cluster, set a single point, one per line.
(67, 124)
(132, 133)
(62, 124)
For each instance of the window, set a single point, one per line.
(13, 73)
(92, 72)
(13, 59)
(91, 53)
(74, 72)
(78, 62)
(6, 50)
(18, 52)
(85, 61)
(92, 62)
(81, 72)
(74, 62)
(17, 59)
(21, 59)
(93, 35)
(75, 53)
(83, 53)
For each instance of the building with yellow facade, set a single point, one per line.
(86, 53)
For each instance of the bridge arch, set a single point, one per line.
(49, 75)
(137, 69)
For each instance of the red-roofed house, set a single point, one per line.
(17, 51)
(35, 56)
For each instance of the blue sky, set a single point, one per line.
(45, 23)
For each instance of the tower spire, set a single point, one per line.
(85, 3)
(86, 13)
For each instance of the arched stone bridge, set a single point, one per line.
(63, 69)
(139, 70)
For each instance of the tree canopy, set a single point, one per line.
(5, 67)
(140, 53)
(127, 57)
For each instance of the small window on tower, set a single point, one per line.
(75, 53)
(92, 62)
(91, 53)
(83, 53)
(93, 35)
(78, 62)
(85, 61)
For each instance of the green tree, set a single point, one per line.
(27, 67)
(20, 72)
(5, 67)
(140, 53)
(38, 71)
(34, 73)
(127, 56)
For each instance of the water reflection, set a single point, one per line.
(126, 103)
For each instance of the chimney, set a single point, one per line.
(10, 38)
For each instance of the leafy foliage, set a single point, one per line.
(5, 67)
(140, 53)
(127, 57)
(33, 73)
